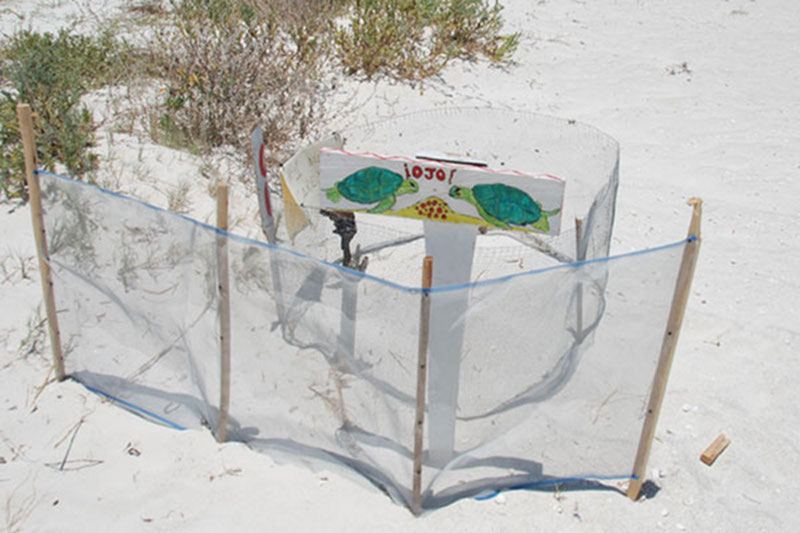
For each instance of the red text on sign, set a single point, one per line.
(429, 173)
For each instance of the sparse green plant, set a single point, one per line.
(415, 39)
(147, 7)
(51, 72)
(471, 28)
(224, 66)
(389, 36)
(228, 65)
(178, 197)
(35, 333)
(16, 267)
(308, 23)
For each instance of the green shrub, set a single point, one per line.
(388, 36)
(228, 65)
(414, 39)
(51, 73)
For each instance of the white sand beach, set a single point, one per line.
(702, 97)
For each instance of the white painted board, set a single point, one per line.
(443, 192)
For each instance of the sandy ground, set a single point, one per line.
(702, 97)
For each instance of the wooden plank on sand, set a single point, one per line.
(714, 449)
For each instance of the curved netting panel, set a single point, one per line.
(551, 384)
(584, 157)
(504, 140)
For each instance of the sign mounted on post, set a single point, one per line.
(441, 192)
(447, 193)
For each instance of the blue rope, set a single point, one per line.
(136, 408)
(544, 483)
(363, 275)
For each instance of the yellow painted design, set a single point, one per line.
(432, 205)
(434, 208)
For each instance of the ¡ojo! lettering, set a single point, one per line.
(429, 173)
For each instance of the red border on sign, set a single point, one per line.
(427, 162)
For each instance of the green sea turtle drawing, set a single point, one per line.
(503, 206)
(370, 185)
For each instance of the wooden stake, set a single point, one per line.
(224, 313)
(35, 198)
(422, 373)
(679, 299)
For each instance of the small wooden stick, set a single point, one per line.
(679, 300)
(224, 313)
(35, 195)
(422, 374)
(714, 449)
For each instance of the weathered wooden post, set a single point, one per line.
(35, 197)
(224, 312)
(422, 375)
(679, 300)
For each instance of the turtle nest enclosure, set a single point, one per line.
(558, 342)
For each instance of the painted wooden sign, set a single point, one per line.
(439, 191)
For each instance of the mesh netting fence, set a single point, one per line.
(547, 390)
(556, 356)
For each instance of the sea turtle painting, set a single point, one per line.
(503, 206)
(370, 185)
